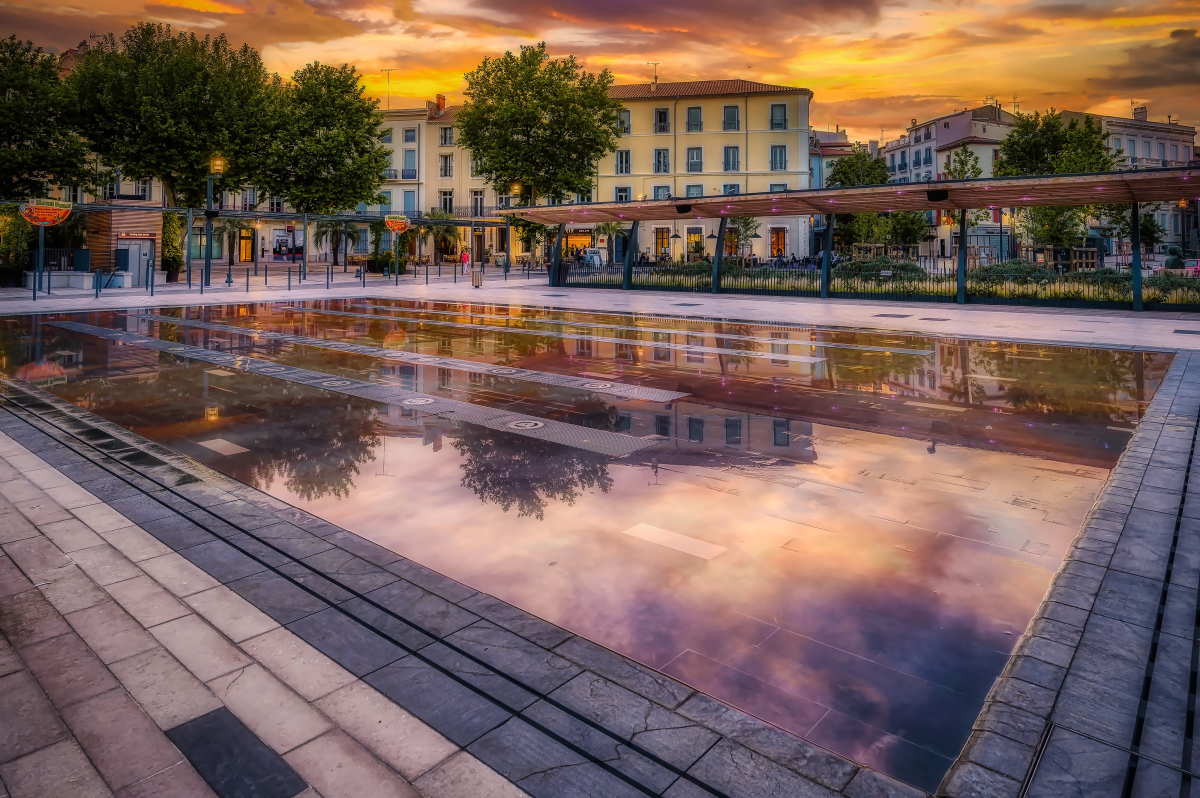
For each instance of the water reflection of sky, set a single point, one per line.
(849, 550)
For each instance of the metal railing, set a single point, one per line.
(408, 174)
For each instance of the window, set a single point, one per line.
(276, 205)
(662, 241)
(780, 348)
(695, 123)
(696, 430)
(622, 193)
(733, 431)
(446, 165)
(477, 202)
(731, 118)
(695, 239)
(623, 121)
(694, 190)
(1174, 152)
(245, 246)
(446, 200)
(623, 162)
(778, 242)
(1175, 224)
(1145, 149)
(732, 159)
(929, 155)
(218, 243)
(731, 188)
(892, 160)
(778, 187)
(946, 125)
(443, 377)
(662, 120)
(662, 355)
(410, 135)
(695, 159)
(778, 116)
(446, 136)
(662, 161)
(662, 192)
(410, 165)
(662, 426)
(928, 133)
(695, 340)
(1162, 152)
(583, 197)
(249, 199)
(778, 157)
(624, 422)
(385, 205)
(779, 431)
(583, 348)
(474, 167)
(1187, 153)
(386, 138)
(71, 194)
(410, 202)
(624, 352)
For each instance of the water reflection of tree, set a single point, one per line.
(509, 470)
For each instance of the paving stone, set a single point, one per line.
(135, 543)
(37, 557)
(790, 751)
(451, 708)
(647, 683)
(231, 614)
(1169, 479)
(198, 646)
(350, 571)
(359, 547)
(221, 561)
(1015, 724)
(1145, 545)
(672, 737)
(972, 781)
(1001, 754)
(259, 551)
(140, 509)
(1024, 695)
(736, 770)
(531, 665)
(13, 525)
(405, 743)
(277, 597)
(177, 532)
(302, 667)
(1035, 671)
(110, 632)
(71, 535)
(464, 776)
(428, 611)
(119, 738)
(178, 575)
(515, 620)
(20, 490)
(430, 580)
(1107, 713)
(338, 767)
(9, 661)
(67, 669)
(311, 580)
(386, 623)
(28, 618)
(101, 518)
(291, 539)
(105, 565)
(166, 691)
(12, 581)
(868, 783)
(347, 641)
(243, 514)
(1129, 598)
(177, 781)
(60, 770)
(108, 488)
(282, 719)
(231, 759)
(542, 767)
(30, 722)
(147, 601)
(69, 589)
(1075, 765)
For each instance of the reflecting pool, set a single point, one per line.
(840, 531)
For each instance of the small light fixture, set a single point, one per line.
(216, 165)
(712, 236)
(210, 413)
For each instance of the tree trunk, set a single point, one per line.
(168, 193)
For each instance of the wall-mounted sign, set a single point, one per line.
(45, 212)
(136, 235)
(396, 222)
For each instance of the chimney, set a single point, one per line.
(1141, 113)
(441, 103)
(914, 122)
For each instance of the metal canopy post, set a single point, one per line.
(189, 249)
(630, 253)
(556, 256)
(1135, 242)
(826, 255)
(209, 213)
(345, 248)
(507, 245)
(962, 257)
(304, 251)
(719, 255)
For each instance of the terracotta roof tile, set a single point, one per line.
(446, 117)
(698, 88)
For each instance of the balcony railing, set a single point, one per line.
(778, 124)
(695, 166)
(475, 211)
(408, 174)
(732, 124)
(662, 127)
(695, 127)
(390, 174)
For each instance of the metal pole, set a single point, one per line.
(254, 244)
(827, 255)
(507, 245)
(630, 254)
(304, 253)
(396, 256)
(204, 278)
(247, 281)
(556, 256)
(37, 270)
(189, 249)
(1135, 241)
(345, 248)
(289, 278)
(719, 255)
(42, 259)
(151, 279)
(962, 257)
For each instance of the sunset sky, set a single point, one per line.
(871, 63)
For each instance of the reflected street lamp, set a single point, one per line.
(216, 168)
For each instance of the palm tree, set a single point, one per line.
(610, 230)
(229, 229)
(445, 236)
(333, 232)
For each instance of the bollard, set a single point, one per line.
(247, 281)
(289, 278)
(265, 265)
(151, 281)
(96, 283)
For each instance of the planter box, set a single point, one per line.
(61, 280)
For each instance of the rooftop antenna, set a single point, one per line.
(1016, 105)
(655, 65)
(389, 72)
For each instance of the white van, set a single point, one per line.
(595, 257)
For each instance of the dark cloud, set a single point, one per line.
(1175, 64)
(1059, 11)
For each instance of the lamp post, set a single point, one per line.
(216, 168)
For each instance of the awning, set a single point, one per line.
(1146, 185)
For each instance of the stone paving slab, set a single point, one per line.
(451, 664)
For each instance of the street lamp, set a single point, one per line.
(216, 168)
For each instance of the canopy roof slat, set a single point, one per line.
(1147, 185)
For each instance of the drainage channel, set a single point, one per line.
(22, 410)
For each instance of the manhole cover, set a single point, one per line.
(529, 424)
(597, 385)
(418, 401)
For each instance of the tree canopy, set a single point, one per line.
(37, 147)
(859, 168)
(538, 122)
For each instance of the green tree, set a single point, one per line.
(908, 227)
(1084, 149)
(1052, 225)
(336, 233)
(446, 237)
(858, 168)
(964, 164)
(229, 229)
(160, 105)
(742, 230)
(610, 230)
(37, 143)
(538, 123)
(868, 228)
(325, 154)
(532, 235)
(172, 247)
(1033, 147)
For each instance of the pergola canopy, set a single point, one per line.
(1146, 185)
